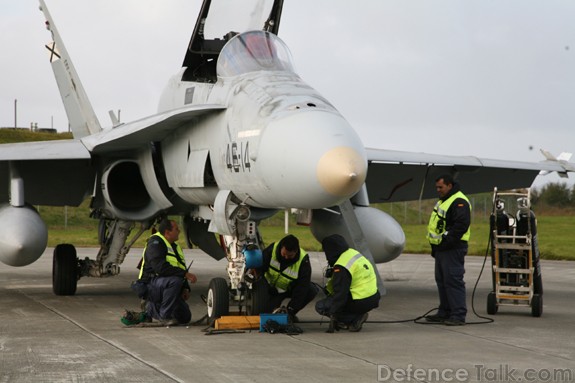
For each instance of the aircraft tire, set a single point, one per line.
(218, 300)
(537, 305)
(64, 270)
(258, 299)
(491, 304)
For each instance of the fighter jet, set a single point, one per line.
(238, 136)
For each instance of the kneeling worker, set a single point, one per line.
(164, 271)
(352, 288)
(287, 271)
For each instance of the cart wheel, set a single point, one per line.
(537, 305)
(491, 304)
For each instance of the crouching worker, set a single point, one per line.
(164, 273)
(287, 273)
(352, 288)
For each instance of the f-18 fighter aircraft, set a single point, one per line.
(238, 136)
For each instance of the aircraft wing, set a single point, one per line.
(404, 176)
(58, 173)
(55, 173)
(134, 135)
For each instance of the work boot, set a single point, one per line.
(454, 322)
(356, 325)
(292, 318)
(435, 318)
(166, 322)
(335, 325)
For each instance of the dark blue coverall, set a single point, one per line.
(450, 259)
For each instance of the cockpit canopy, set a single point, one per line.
(254, 51)
(213, 28)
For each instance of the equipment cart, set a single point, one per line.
(514, 254)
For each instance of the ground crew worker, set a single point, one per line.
(448, 233)
(287, 272)
(352, 289)
(164, 271)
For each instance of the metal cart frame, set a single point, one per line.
(512, 257)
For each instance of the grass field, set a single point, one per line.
(556, 240)
(10, 135)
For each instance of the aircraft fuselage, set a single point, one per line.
(278, 143)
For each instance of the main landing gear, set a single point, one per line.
(67, 268)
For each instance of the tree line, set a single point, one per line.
(553, 195)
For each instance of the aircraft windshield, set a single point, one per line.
(234, 15)
(254, 51)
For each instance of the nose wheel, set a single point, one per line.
(258, 298)
(218, 299)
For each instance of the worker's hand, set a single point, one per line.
(447, 241)
(191, 277)
(333, 325)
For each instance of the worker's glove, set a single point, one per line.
(280, 310)
(447, 241)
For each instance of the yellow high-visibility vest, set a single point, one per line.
(436, 226)
(363, 278)
(281, 280)
(175, 259)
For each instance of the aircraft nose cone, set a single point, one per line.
(309, 159)
(341, 171)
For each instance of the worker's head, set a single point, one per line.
(289, 247)
(333, 246)
(170, 230)
(443, 185)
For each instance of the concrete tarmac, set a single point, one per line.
(47, 338)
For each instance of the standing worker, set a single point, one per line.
(164, 271)
(352, 288)
(448, 233)
(287, 272)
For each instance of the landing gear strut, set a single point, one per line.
(244, 290)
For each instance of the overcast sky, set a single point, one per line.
(490, 78)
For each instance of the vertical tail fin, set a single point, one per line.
(81, 116)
